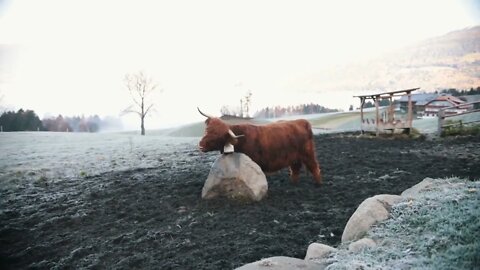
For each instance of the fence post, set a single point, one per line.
(377, 116)
(441, 117)
(362, 102)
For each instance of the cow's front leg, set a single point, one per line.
(295, 171)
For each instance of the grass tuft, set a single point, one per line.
(460, 129)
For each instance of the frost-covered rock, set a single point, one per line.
(235, 176)
(413, 191)
(369, 212)
(318, 251)
(280, 263)
(361, 244)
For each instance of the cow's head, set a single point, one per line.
(218, 135)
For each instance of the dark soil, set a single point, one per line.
(155, 218)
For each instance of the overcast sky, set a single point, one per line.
(70, 57)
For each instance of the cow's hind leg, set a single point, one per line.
(314, 168)
(311, 163)
(295, 171)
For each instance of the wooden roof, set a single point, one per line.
(388, 94)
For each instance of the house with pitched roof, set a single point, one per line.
(445, 101)
(428, 104)
(418, 101)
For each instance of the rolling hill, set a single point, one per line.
(448, 61)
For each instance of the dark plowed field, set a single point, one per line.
(155, 218)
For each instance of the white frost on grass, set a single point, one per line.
(49, 156)
(439, 229)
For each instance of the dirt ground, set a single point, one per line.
(155, 218)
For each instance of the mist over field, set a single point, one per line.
(285, 54)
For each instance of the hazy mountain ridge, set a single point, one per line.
(448, 61)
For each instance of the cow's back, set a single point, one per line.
(277, 145)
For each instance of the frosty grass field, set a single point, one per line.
(49, 156)
(122, 201)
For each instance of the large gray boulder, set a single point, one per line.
(281, 263)
(235, 176)
(368, 213)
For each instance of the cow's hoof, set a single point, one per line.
(294, 181)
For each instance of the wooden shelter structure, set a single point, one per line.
(388, 121)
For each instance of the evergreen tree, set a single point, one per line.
(20, 121)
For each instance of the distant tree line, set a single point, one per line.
(28, 121)
(279, 111)
(381, 103)
(455, 92)
(72, 124)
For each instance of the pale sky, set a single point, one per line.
(69, 57)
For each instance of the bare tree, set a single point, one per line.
(247, 103)
(140, 88)
(225, 110)
(1, 101)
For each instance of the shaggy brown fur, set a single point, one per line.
(273, 147)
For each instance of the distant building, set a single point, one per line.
(472, 98)
(418, 100)
(445, 101)
(428, 104)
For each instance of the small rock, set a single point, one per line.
(318, 251)
(361, 244)
(280, 263)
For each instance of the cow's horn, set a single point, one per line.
(233, 134)
(206, 115)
